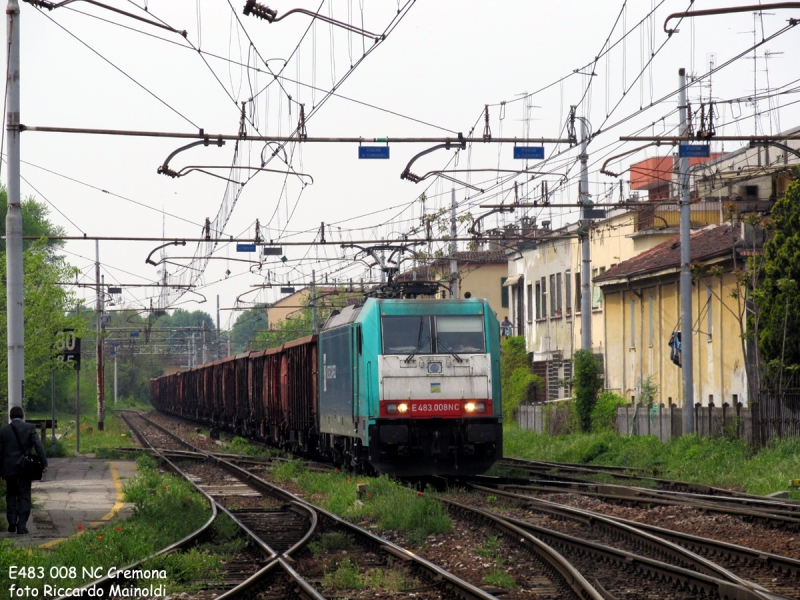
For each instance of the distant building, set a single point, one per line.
(544, 283)
(481, 274)
(642, 312)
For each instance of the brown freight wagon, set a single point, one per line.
(299, 391)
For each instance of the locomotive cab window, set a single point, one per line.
(460, 334)
(406, 334)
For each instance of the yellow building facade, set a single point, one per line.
(642, 311)
(544, 282)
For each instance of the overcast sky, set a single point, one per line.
(441, 62)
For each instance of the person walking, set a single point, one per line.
(505, 327)
(16, 440)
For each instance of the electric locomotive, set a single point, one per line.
(411, 387)
(408, 387)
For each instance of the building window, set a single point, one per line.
(577, 292)
(597, 294)
(530, 303)
(650, 317)
(633, 323)
(568, 290)
(709, 320)
(544, 297)
(538, 300)
(558, 293)
(553, 294)
(503, 293)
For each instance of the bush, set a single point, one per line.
(586, 383)
(517, 381)
(604, 413)
(521, 387)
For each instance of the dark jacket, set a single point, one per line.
(10, 451)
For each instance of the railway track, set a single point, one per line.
(745, 567)
(783, 514)
(278, 524)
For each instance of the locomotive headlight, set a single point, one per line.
(391, 408)
(480, 407)
(402, 407)
(469, 407)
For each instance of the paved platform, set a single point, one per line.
(75, 491)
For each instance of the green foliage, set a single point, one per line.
(490, 547)
(299, 323)
(167, 509)
(500, 579)
(517, 382)
(587, 382)
(776, 293)
(46, 304)
(521, 388)
(604, 413)
(711, 461)
(647, 390)
(34, 222)
(513, 356)
(388, 505)
(344, 576)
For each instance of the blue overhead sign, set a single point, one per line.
(529, 152)
(694, 151)
(245, 247)
(373, 152)
(134, 334)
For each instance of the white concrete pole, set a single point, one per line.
(14, 297)
(586, 261)
(687, 354)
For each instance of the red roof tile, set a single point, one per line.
(705, 244)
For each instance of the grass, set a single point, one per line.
(345, 575)
(500, 579)
(166, 510)
(92, 439)
(710, 461)
(387, 504)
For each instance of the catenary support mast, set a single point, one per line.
(687, 357)
(14, 299)
(586, 261)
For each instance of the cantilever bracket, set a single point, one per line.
(407, 174)
(175, 243)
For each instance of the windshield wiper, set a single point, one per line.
(420, 343)
(448, 349)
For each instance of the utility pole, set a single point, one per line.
(219, 353)
(687, 358)
(586, 260)
(453, 246)
(14, 298)
(313, 302)
(205, 359)
(115, 376)
(101, 400)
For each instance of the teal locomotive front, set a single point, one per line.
(411, 387)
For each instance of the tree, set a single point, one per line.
(34, 222)
(587, 382)
(46, 307)
(246, 329)
(779, 302)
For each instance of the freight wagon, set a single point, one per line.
(405, 387)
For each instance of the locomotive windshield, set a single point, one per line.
(460, 334)
(406, 335)
(453, 334)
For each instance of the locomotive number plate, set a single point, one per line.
(435, 408)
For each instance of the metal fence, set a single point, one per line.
(776, 415)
